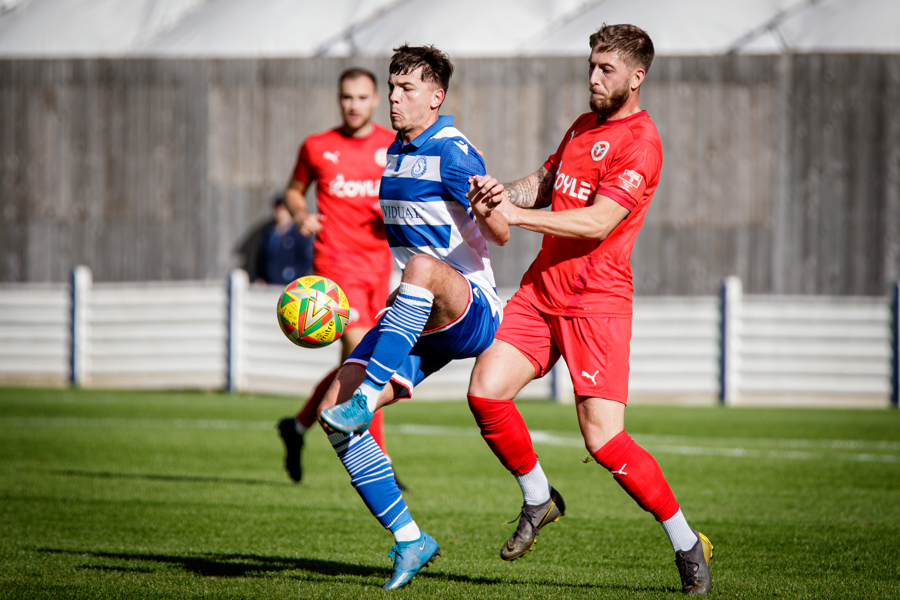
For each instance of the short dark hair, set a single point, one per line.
(632, 42)
(278, 200)
(436, 66)
(356, 73)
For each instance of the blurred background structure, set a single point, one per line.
(145, 138)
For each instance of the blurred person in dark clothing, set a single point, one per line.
(284, 254)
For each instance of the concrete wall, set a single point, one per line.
(784, 171)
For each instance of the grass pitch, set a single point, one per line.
(182, 495)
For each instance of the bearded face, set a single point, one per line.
(606, 105)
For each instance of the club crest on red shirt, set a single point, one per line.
(599, 150)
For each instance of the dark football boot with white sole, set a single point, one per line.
(531, 520)
(693, 565)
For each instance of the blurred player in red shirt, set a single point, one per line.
(350, 246)
(575, 300)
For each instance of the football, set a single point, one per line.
(313, 311)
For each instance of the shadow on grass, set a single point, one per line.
(178, 478)
(232, 565)
(105, 568)
(249, 565)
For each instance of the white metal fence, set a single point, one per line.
(743, 350)
(808, 349)
(35, 333)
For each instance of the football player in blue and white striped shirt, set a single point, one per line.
(446, 306)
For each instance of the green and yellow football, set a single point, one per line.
(313, 311)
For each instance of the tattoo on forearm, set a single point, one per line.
(532, 191)
(522, 192)
(545, 189)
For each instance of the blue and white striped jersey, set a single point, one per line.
(423, 199)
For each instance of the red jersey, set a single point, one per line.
(347, 172)
(619, 159)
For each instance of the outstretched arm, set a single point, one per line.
(594, 222)
(490, 198)
(533, 191)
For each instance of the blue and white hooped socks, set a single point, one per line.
(398, 332)
(372, 476)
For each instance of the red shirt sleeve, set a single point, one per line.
(303, 170)
(630, 173)
(552, 162)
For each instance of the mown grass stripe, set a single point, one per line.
(792, 449)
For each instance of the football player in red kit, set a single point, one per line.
(350, 246)
(575, 300)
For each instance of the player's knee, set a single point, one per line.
(480, 382)
(487, 381)
(419, 263)
(596, 438)
(492, 384)
(420, 269)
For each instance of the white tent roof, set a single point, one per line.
(300, 28)
(465, 28)
(235, 28)
(87, 27)
(677, 28)
(831, 26)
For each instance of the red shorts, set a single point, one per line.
(595, 348)
(366, 292)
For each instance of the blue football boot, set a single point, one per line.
(353, 416)
(409, 559)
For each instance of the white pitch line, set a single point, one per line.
(718, 446)
(794, 449)
(574, 439)
(120, 423)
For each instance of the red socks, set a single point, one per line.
(376, 428)
(639, 474)
(307, 414)
(504, 430)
